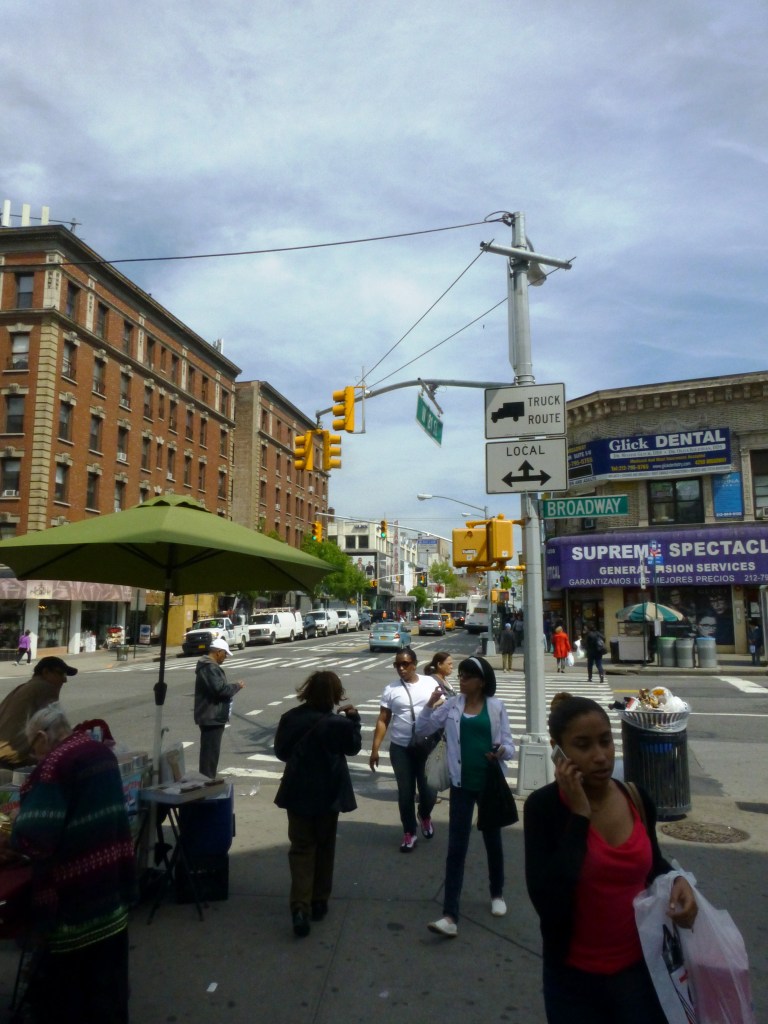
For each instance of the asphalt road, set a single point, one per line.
(725, 728)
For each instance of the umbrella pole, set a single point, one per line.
(161, 687)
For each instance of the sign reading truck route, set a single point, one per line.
(525, 410)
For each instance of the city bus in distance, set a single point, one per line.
(455, 606)
(477, 616)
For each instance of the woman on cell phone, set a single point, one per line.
(587, 855)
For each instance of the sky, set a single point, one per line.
(631, 137)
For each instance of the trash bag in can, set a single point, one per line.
(656, 758)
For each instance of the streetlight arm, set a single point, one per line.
(477, 508)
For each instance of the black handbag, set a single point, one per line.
(496, 807)
(424, 744)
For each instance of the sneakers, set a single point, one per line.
(444, 927)
(408, 843)
(427, 829)
(498, 906)
(300, 924)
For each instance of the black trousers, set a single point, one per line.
(87, 986)
(210, 749)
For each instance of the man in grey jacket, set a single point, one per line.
(213, 696)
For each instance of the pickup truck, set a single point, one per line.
(198, 639)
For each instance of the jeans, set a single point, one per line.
(408, 765)
(595, 661)
(310, 858)
(459, 829)
(580, 997)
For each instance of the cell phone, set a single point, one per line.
(558, 755)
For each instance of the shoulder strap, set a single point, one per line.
(637, 800)
(413, 710)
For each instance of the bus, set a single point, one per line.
(477, 616)
(458, 607)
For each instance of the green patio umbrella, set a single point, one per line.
(647, 611)
(169, 543)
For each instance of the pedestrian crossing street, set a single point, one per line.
(510, 689)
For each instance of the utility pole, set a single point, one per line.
(524, 269)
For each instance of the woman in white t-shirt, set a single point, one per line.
(401, 703)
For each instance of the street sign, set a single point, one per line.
(516, 466)
(525, 410)
(429, 420)
(591, 507)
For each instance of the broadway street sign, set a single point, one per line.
(585, 508)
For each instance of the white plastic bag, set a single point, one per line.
(580, 652)
(436, 768)
(569, 659)
(701, 975)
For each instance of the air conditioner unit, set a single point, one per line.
(122, 456)
(277, 506)
(10, 494)
(588, 524)
(762, 512)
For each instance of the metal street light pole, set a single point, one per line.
(490, 643)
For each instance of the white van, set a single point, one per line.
(327, 621)
(349, 620)
(267, 626)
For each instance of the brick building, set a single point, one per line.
(269, 492)
(692, 458)
(105, 400)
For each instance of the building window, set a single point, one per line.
(69, 360)
(161, 406)
(102, 318)
(759, 465)
(119, 495)
(204, 388)
(24, 286)
(149, 359)
(127, 337)
(125, 390)
(159, 455)
(92, 491)
(190, 425)
(94, 438)
(65, 421)
(223, 446)
(99, 376)
(14, 414)
(122, 444)
(7, 530)
(19, 351)
(171, 464)
(203, 433)
(73, 294)
(146, 452)
(172, 415)
(201, 476)
(174, 368)
(349, 542)
(191, 375)
(263, 491)
(61, 482)
(187, 470)
(224, 402)
(147, 402)
(675, 501)
(222, 489)
(11, 474)
(163, 358)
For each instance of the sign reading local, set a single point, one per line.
(589, 507)
(644, 455)
(525, 410)
(516, 466)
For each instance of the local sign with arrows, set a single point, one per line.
(517, 466)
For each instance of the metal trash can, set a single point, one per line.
(684, 651)
(656, 758)
(706, 651)
(122, 652)
(614, 648)
(666, 648)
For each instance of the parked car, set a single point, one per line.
(349, 620)
(448, 620)
(267, 626)
(388, 636)
(199, 639)
(310, 627)
(326, 620)
(431, 622)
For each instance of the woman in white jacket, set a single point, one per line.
(476, 733)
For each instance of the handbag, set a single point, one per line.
(701, 974)
(426, 744)
(496, 807)
(436, 768)
(569, 659)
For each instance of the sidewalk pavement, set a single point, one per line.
(372, 959)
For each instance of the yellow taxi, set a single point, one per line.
(448, 620)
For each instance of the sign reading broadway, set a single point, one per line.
(589, 507)
(643, 455)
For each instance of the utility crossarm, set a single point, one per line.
(429, 385)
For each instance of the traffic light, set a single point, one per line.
(317, 531)
(372, 583)
(331, 451)
(344, 410)
(383, 529)
(303, 453)
(500, 546)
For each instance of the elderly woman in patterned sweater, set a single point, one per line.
(73, 825)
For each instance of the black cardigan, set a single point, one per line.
(555, 848)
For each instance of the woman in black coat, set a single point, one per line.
(315, 788)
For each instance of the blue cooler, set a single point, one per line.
(207, 829)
